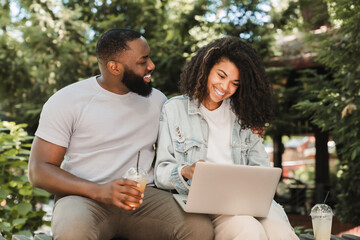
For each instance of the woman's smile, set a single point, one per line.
(222, 83)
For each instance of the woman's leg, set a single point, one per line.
(237, 228)
(276, 224)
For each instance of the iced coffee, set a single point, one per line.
(139, 176)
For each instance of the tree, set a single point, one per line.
(43, 49)
(50, 44)
(333, 100)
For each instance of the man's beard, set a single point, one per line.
(136, 83)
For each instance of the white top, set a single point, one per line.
(101, 130)
(219, 141)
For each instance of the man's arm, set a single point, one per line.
(45, 173)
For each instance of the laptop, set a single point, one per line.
(230, 189)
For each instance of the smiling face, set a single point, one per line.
(137, 59)
(223, 81)
(131, 69)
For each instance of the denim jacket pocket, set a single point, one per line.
(188, 151)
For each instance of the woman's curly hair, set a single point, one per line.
(252, 101)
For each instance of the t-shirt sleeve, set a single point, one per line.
(56, 121)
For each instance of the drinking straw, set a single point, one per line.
(326, 196)
(137, 163)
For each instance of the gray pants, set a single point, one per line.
(159, 217)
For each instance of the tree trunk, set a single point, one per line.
(278, 150)
(322, 180)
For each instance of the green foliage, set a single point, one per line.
(333, 100)
(302, 230)
(50, 44)
(286, 16)
(175, 29)
(41, 50)
(19, 212)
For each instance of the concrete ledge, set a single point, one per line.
(42, 237)
(36, 237)
(302, 237)
(19, 237)
(39, 237)
(333, 237)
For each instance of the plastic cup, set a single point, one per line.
(139, 176)
(321, 216)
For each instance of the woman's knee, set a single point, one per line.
(238, 227)
(278, 230)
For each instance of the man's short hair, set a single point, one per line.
(114, 42)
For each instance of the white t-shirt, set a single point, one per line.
(101, 130)
(219, 141)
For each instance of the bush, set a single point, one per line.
(20, 208)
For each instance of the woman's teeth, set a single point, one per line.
(218, 92)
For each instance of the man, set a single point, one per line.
(90, 133)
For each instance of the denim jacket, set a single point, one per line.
(183, 140)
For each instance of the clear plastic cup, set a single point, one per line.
(140, 176)
(321, 216)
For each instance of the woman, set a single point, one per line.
(226, 94)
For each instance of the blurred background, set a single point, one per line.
(311, 49)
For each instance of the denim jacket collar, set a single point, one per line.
(193, 107)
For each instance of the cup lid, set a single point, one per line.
(321, 209)
(137, 173)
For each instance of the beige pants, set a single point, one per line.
(159, 217)
(273, 227)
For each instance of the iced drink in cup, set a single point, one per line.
(321, 215)
(139, 176)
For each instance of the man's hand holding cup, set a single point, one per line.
(139, 176)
